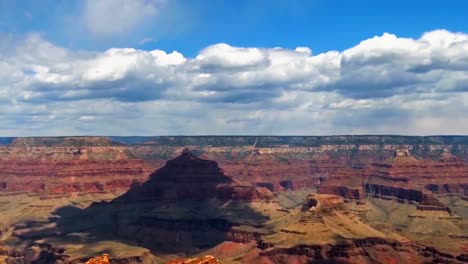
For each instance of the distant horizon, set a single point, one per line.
(259, 141)
(245, 135)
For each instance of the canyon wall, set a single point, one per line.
(339, 165)
(32, 167)
(374, 197)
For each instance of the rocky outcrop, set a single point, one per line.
(119, 258)
(320, 203)
(104, 259)
(201, 260)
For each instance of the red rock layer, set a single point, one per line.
(405, 170)
(53, 171)
(274, 168)
(405, 177)
(273, 172)
(336, 169)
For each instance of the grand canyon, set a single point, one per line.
(233, 132)
(234, 199)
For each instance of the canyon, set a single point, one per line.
(252, 199)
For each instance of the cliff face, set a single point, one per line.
(405, 177)
(401, 167)
(65, 170)
(438, 168)
(336, 165)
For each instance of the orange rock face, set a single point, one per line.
(202, 260)
(104, 259)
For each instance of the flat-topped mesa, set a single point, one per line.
(63, 142)
(67, 170)
(188, 177)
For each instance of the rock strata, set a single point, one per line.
(66, 170)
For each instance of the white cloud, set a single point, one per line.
(385, 84)
(223, 56)
(304, 49)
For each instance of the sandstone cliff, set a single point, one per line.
(67, 170)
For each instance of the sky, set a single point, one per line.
(221, 67)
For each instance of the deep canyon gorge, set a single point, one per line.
(240, 199)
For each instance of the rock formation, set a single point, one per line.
(53, 171)
(188, 177)
(104, 259)
(193, 205)
(202, 260)
(280, 200)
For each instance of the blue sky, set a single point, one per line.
(157, 67)
(192, 25)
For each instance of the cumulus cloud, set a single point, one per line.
(223, 56)
(385, 84)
